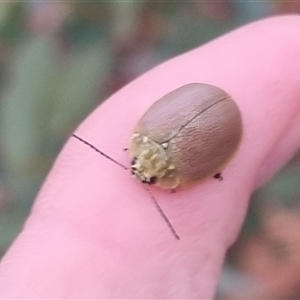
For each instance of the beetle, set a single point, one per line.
(186, 136)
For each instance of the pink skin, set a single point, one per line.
(94, 232)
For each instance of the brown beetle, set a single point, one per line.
(186, 136)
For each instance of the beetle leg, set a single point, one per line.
(219, 176)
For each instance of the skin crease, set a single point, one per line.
(94, 232)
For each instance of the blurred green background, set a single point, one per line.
(59, 60)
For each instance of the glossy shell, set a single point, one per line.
(186, 136)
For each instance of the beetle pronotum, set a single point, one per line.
(184, 137)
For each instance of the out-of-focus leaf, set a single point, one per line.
(187, 34)
(4, 12)
(284, 187)
(84, 33)
(12, 23)
(125, 20)
(25, 107)
(11, 222)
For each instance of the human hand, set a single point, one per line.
(94, 232)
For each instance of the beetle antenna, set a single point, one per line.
(97, 150)
(161, 212)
